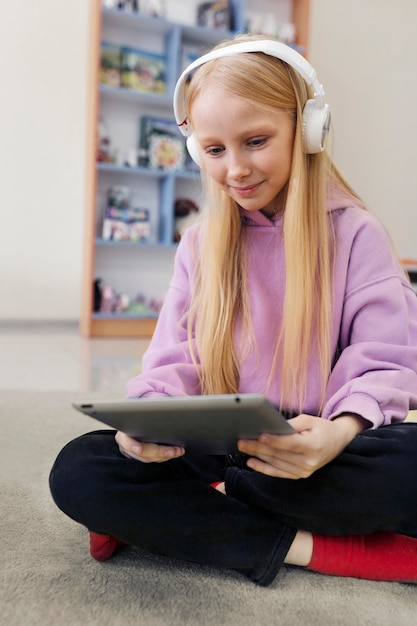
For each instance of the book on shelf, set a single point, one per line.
(161, 145)
(142, 71)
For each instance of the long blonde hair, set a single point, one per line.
(220, 296)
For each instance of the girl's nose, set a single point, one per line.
(238, 166)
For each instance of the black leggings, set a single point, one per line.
(170, 509)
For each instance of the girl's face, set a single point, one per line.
(245, 148)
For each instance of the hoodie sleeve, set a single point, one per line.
(375, 374)
(167, 367)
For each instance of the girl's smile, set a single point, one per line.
(245, 191)
(245, 147)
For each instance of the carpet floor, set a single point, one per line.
(48, 578)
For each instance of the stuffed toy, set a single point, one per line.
(186, 213)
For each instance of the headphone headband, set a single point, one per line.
(272, 48)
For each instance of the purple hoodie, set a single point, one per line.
(374, 323)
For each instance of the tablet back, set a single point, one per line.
(211, 423)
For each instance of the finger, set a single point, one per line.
(158, 456)
(293, 462)
(281, 443)
(286, 462)
(147, 452)
(299, 465)
(263, 446)
(124, 441)
(154, 453)
(283, 470)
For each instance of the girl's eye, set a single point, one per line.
(259, 141)
(214, 151)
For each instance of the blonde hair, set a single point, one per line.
(220, 297)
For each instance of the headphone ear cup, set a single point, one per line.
(194, 149)
(316, 125)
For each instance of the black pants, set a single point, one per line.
(170, 509)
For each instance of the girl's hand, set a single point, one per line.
(146, 452)
(316, 442)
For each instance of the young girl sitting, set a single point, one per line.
(287, 287)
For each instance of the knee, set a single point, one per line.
(73, 477)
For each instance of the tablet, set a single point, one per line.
(210, 423)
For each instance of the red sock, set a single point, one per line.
(102, 547)
(380, 556)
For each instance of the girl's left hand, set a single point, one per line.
(316, 442)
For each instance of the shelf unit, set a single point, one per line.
(142, 267)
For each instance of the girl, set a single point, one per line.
(288, 287)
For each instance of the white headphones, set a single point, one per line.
(316, 113)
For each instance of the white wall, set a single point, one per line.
(363, 50)
(43, 69)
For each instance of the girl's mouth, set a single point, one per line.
(243, 192)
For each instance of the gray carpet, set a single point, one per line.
(48, 578)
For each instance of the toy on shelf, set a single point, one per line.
(267, 24)
(110, 64)
(122, 221)
(153, 8)
(186, 213)
(131, 6)
(131, 68)
(104, 147)
(119, 196)
(142, 71)
(108, 301)
(214, 15)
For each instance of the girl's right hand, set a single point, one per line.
(146, 452)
